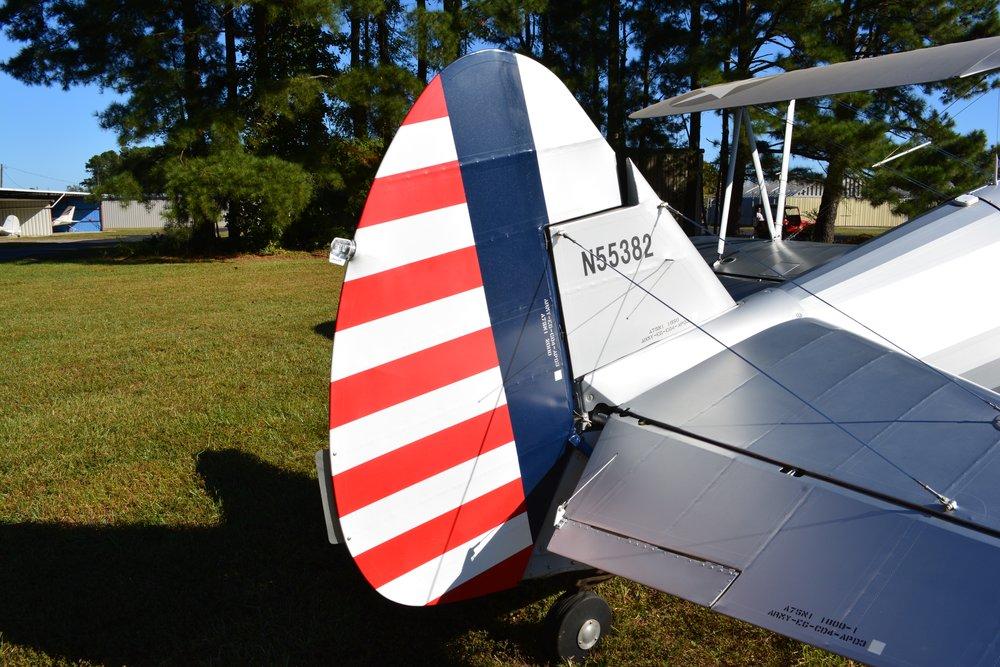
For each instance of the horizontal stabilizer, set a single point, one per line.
(827, 532)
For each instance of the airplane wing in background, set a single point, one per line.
(787, 492)
(935, 63)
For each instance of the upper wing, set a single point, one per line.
(727, 489)
(896, 69)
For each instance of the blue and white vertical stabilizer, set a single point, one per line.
(452, 393)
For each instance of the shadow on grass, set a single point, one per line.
(139, 249)
(326, 329)
(97, 252)
(262, 587)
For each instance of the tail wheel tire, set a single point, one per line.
(580, 621)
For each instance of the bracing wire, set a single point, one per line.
(621, 306)
(899, 347)
(847, 149)
(953, 116)
(947, 503)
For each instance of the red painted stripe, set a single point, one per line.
(415, 547)
(429, 105)
(413, 192)
(416, 374)
(500, 577)
(387, 292)
(392, 472)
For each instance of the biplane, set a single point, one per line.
(537, 372)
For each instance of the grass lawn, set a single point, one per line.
(158, 501)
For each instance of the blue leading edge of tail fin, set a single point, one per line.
(503, 187)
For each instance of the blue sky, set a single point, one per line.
(48, 131)
(48, 134)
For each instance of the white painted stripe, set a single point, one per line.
(400, 242)
(419, 145)
(578, 180)
(556, 118)
(417, 504)
(577, 166)
(921, 300)
(439, 575)
(387, 430)
(365, 346)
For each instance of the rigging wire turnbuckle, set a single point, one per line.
(949, 504)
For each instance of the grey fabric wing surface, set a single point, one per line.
(897, 69)
(798, 525)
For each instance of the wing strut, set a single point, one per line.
(730, 173)
(755, 154)
(776, 222)
(786, 150)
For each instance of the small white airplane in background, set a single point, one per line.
(65, 218)
(11, 226)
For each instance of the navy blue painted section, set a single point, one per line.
(79, 226)
(504, 192)
(86, 216)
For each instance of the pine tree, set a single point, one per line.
(234, 96)
(848, 133)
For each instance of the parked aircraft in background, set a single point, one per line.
(65, 218)
(11, 226)
(536, 372)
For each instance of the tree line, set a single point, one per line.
(274, 114)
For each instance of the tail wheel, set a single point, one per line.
(579, 621)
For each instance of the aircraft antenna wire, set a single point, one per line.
(621, 306)
(947, 503)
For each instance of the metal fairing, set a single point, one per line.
(767, 260)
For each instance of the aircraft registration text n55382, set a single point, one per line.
(621, 252)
